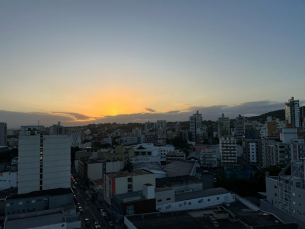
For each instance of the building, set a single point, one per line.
(181, 168)
(54, 218)
(164, 150)
(223, 126)
(239, 128)
(208, 157)
(193, 200)
(146, 153)
(148, 125)
(132, 203)
(227, 146)
(252, 151)
(302, 116)
(153, 167)
(175, 156)
(8, 179)
(285, 194)
(57, 129)
(292, 112)
(208, 218)
(180, 184)
(151, 137)
(177, 127)
(160, 124)
(137, 132)
(125, 181)
(3, 133)
(44, 160)
(195, 125)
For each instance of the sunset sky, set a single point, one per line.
(134, 60)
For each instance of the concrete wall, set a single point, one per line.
(29, 164)
(138, 181)
(165, 197)
(114, 166)
(8, 180)
(56, 162)
(95, 171)
(197, 203)
(121, 185)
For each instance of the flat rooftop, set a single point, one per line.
(201, 193)
(179, 220)
(169, 181)
(128, 174)
(50, 192)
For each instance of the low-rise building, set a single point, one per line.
(208, 157)
(8, 179)
(125, 181)
(175, 156)
(181, 168)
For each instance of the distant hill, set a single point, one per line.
(275, 114)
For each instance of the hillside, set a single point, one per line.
(263, 117)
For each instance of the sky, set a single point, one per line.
(133, 60)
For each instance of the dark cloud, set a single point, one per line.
(149, 109)
(16, 119)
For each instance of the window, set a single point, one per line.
(217, 198)
(129, 179)
(39, 200)
(8, 204)
(159, 200)
(168, 199)
(190, 203)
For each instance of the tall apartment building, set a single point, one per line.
(285, 194)
(125, 182)
(252, 151)
(302, 116)
(223, 126)
(161, 124)
(195, 125)
(3, 133)
(227, 145)
(148, 125)
(292, 112)
(177, 127)
(44, 160)
(136, 132)
(239, 128)
(208, 157)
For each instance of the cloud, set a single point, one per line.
(16, 119)
(149, 109)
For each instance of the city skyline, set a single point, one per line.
(135, 61)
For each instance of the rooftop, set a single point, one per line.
(201, 193)
(195, 154)
(128, 174)
(180, 168)
(34, 219)
(50, 192)
(169, 181)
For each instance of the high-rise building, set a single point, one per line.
(177, 127)
(228, 152)
(223, 125)
(302, 116)
(195, 125)
(44, 160)
(160, 124)
(239, 128)
(148, 125)
(292, 113)
(136, 132)
(3, 133)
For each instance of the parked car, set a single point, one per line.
(96, 224)
(110, 223)
(80, 209)
(87, 222)
(104, 214)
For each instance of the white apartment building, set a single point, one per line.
(239, 128)
(137, 132)
(125, 181)
(164, 150)
(8, 179)
(44, 160)
(292, 112)
(3, 133)
(227, 146)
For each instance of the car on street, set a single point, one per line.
(96, 224)
(110, 223)
(104, 214)
(80, 209)
(87, 222)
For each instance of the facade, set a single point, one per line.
(175, 156)
(44, 161)
(195, 125)
(227, 146)
(137, 132)
(239, 128)
(125, 181)
(57, 129)
(223, 126)
(160, 124)
(252, 151)
(180, 184)
(292, 112)
(8, 179)
(3, 133)
(197, 200)
(208, 157)
(285, 194)
(302, 116)
(269, 151)
(164, 150)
